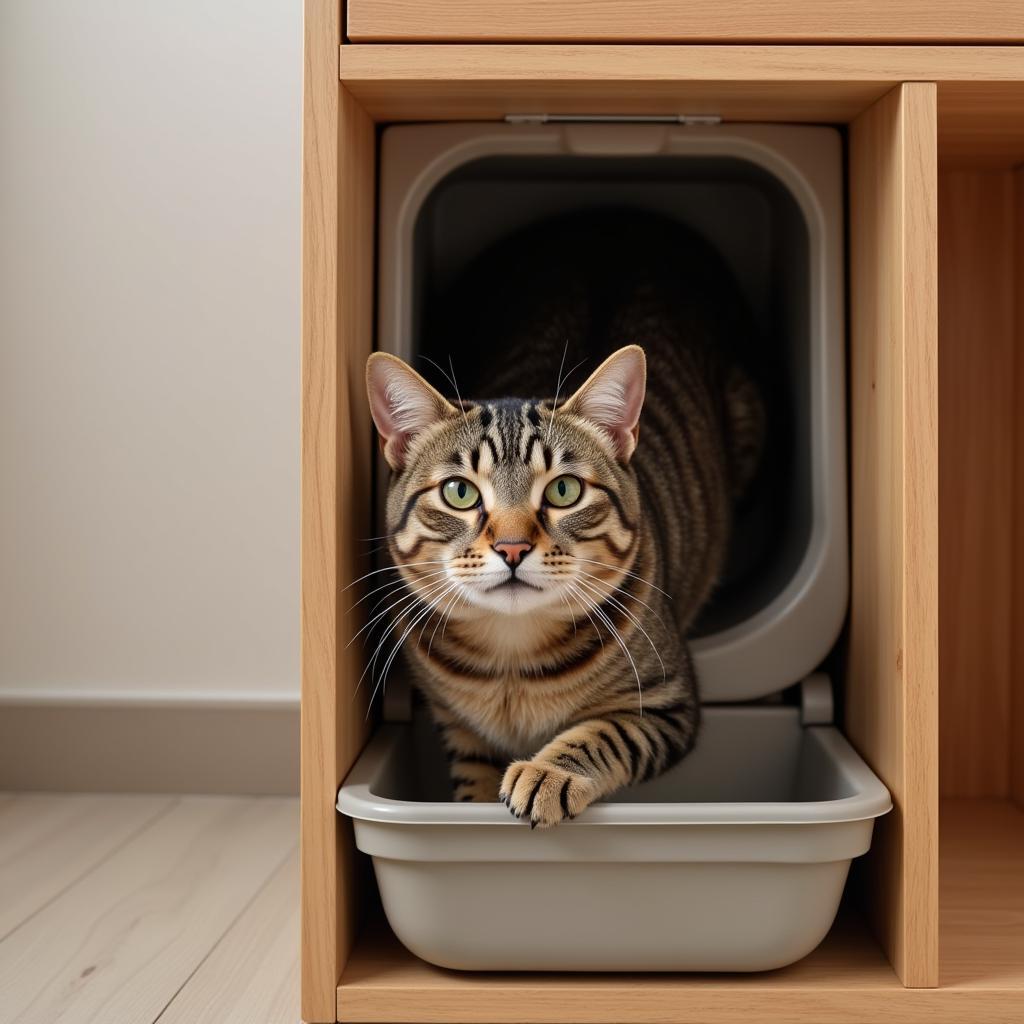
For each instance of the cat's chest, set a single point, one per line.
(517, 715)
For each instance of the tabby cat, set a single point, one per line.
(553, 555)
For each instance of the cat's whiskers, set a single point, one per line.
(617, 588)
(618, 638)
(558, 387)
(448, 617)
(431, 605)
(391, 586)
(568, 606)
(415, 595)
(597, 630)
(632, 618)
(395, 568)
(411, 584)
(440, 615)
(444, 619)
(451, 380)
(393, 625)
(626, 572)
(398, 619)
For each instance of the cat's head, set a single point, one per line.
(512, 505)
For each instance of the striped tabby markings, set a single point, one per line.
(570, 667)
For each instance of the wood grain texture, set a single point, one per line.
(845, 981)
(1017, 650)
(337, 295)
(982, 123)
(976, 473)
(323, 942)
(892, 673)
(384, 982)
(119, 944)
(467, 63)
(982, 905)
(252, 974)
(981, 89)
(668, 20)
(37, 831)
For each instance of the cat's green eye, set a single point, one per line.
(563, 491)
(460, 493)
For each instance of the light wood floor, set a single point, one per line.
(136, 909)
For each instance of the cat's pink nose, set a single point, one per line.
(513, 551)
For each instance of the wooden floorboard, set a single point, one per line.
(50, 841)
(167, 908)
(252, 975)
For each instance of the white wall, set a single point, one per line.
(149, 349)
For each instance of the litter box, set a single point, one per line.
(736, 859)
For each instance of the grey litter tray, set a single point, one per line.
(736, 859)
(733, 861)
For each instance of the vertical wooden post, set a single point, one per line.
(1017, 607)
(892, 678)
(337, 296)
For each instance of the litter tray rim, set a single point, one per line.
(871, 799)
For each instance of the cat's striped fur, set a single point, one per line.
(564, 677)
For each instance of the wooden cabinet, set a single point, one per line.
(934, 696)
(670, 21)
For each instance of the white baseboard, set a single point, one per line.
(157, 743)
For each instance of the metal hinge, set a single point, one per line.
(693, 120)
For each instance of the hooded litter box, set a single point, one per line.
(735, 860)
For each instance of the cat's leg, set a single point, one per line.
(596, 757)
(474, 765)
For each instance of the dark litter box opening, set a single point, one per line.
(725, 229)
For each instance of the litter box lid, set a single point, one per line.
(788, 626)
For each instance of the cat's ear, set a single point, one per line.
(612, 397)
(403, 404)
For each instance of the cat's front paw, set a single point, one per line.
(545, 794)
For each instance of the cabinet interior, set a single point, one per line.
(933, 699)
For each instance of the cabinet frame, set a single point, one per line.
(898, 134)
(668, 21)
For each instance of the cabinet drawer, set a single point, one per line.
(918, 21)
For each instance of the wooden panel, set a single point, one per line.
(386, 983)
(444, 100)
(982, 122)
(981, 95)
(891, 685)
(976, 416)
(337, 275)
(38, 830)
(1017, 675)
(845, 981)
(323, 944)
(398, 83)
(967, 66)
(670, 20)
(982, 937)
(117, 945)
(252, 974)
